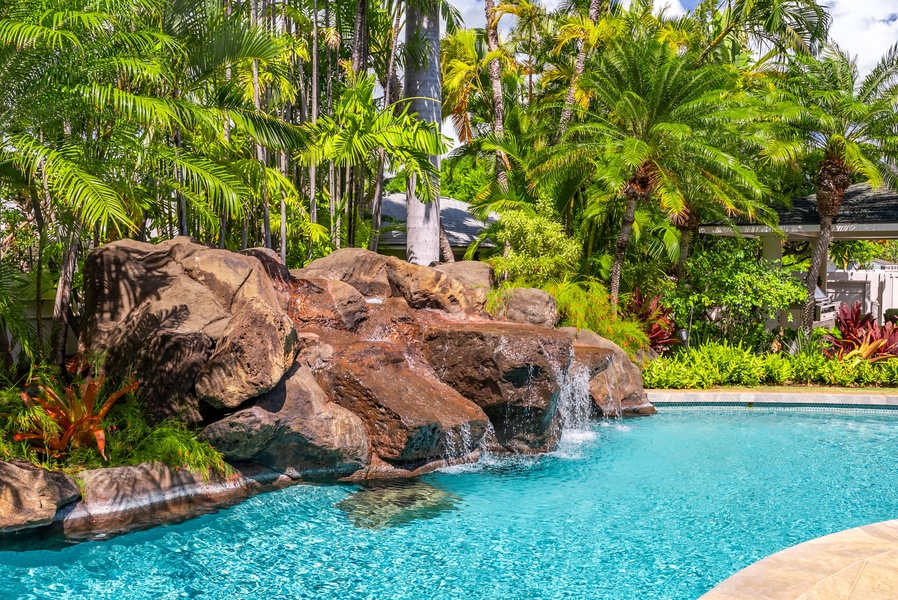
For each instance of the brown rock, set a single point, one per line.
(160, 311)
(324, 303)
(271, 262)
(121, 499)
(424, 287)
(513, 372)
(30, 496)
(362, 269)
(529, 306)
(616, 390)
(476, 276)
(251, 358)
(409, 415)
(294, 429)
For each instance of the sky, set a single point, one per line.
(864, 28)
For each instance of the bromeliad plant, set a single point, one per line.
(62, 422)
(655, 318)
(861, 337)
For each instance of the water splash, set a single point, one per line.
(458, 442)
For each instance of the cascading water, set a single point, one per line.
(574, 402)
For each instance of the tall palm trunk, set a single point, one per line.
(687, 236)
(377, 203)
(313, 175)
(260, 150)
(495, 72)
(360, 30)
(832, 181)
(620, 248)
(422, 85)
(567, 113)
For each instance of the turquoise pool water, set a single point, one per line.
(657, 508)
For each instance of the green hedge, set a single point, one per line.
(722, 364)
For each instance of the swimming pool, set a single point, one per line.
(657, 508)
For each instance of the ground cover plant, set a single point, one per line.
(90, 423)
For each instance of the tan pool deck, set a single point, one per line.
(856, 564)
(871, 398)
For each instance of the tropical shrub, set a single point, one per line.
(657, 320)
(534, 248)
(129, 437)
(720, 365)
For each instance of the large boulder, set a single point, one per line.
(251, 358)
(324, 303)
(362, 269)
(410, 417)
(294, 429)
(31, 496)
(425, 287)
(529, 306)
(615, 387)
(476, 276)
(161, 312)
(513, 372)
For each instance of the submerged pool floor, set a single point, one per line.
(663, 507)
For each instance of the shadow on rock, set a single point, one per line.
(395, 503)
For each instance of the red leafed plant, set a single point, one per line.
(76, 420)
(655, 319)
(861, 337)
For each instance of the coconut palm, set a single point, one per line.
(844, 128)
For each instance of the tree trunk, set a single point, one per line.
(445, 247)
(620, 250)
(567, 112)
(422, 84)
(260, 150)
(314, 101)
(377, 203)
(821, 247)
(685, 244)
(39, 266)
(495, 73)
(283, 242)
(182, 201)
(63, 302)
(360, 32)
(832, 180)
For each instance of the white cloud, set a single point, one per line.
(865, 28)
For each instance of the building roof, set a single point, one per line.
(460, 226)
(866, 214)
(863, 206)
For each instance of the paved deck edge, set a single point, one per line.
(802, 571)
(859, 400)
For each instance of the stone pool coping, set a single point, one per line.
(859, 563)
(871, 398)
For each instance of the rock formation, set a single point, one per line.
(357, 367)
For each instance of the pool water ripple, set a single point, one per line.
(659, 508)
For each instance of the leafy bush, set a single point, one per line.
(535, 249)
(723, 364)
(731, 292)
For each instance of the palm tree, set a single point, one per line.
(650, 138)
(844, 128)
